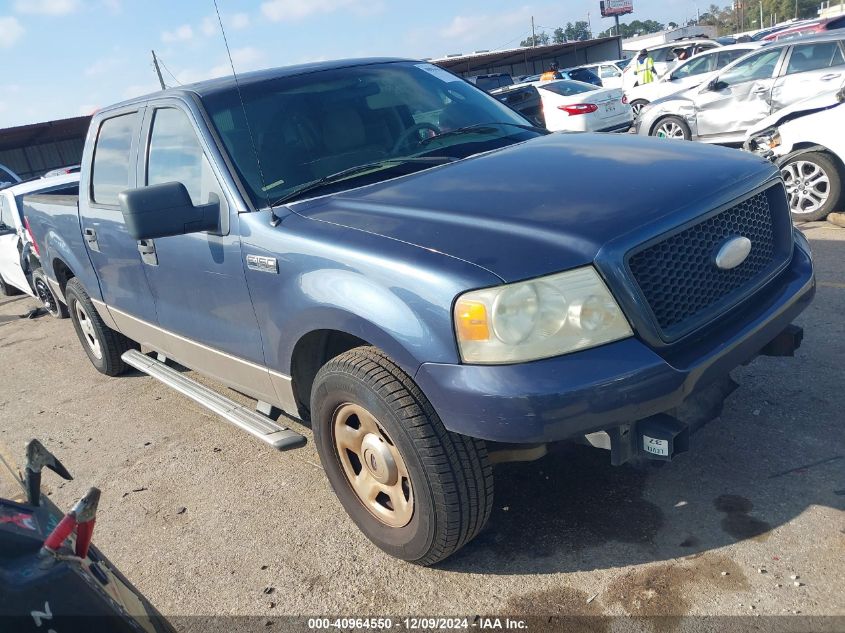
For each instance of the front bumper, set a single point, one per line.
(570, 396)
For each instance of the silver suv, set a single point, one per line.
(748, 90)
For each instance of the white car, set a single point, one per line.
(807, 140)
(609, 72)
(665, 59)
(7, 177)
(575, 106)
(688, 74)
(17, 275)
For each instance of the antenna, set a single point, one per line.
(274, 219)
(158, 71)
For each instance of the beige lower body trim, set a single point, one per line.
(57, 289)
(105, 315)
(241, 375)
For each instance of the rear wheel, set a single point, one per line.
(49, 300)
(416, 490)
(813, 186)
(672, 127)
(103, 345)
(638, 105)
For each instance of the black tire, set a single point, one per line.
(674, 123)
(7, 290)
(450, 474)
(637, 105)
(111, 344)
(49, 301)
(811, 199)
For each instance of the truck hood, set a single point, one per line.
(544, 205)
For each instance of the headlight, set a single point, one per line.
(766, 141)
(541, 318)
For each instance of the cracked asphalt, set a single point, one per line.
(206, 520)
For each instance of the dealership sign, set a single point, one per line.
(609, 8)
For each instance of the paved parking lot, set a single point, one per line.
(205, 520)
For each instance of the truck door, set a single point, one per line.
(113, 252)
(741, 98)
(10, 255)
(198, 279)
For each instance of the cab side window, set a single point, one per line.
(696, 66)
(817, 56)
(5, 214)
(753, 68)
(175, 155)
(111, 173)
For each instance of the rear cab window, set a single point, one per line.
(111, 171)
(567, 88)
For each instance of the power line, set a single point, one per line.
(163, 65)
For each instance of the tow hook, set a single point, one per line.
(785, 343)
(661, 437)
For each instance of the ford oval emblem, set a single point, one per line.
(732, 253)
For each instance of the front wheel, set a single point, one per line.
(813, 186)
(672, 127)
(416, 490)
(49, 301)
(103, 345)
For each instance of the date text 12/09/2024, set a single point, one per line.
(417, 624)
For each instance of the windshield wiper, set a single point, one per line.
(468, 129)
(360, 170)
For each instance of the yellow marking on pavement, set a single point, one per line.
(831, 284)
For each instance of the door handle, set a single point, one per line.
(147, 248)
(759, 91)
(91, 239)
(831, 76)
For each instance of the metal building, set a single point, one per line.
(31, 150)
(532, 60)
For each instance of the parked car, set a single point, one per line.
(523, 98)
(610, 72)
(7, 177)
(574, 106)
(491, 82)
(61, 171)
(747, 91)
(409, 271)
(19, 264)
(575, 74)
(807, 141)
(688, 74)
(807, 28)
(665, 58)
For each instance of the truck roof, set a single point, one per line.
(221, 84)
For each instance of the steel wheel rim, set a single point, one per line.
(669, 129)
(637, 108)
(373, 466)
(86, 326)
(807, 186)
(46, 296)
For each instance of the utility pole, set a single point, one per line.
(761, 14)
(158, 71)
(796, 9)
(617, 26)
(533, 34)
(590, 24)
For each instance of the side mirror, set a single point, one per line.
(716, 85)
(165, 210)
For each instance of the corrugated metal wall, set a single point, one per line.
(34, 160)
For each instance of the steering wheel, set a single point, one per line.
(407, 134)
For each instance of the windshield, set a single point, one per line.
(311, 126)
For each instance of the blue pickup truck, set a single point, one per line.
(382, 250)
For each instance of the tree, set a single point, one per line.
(635, 28)
(578, 31)
(671, 26)
(559, 36)
(541, 39)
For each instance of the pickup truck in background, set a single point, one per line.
(524, 98)
(383, 250)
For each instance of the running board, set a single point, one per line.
(265, 429)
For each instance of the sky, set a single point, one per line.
(64, 58)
